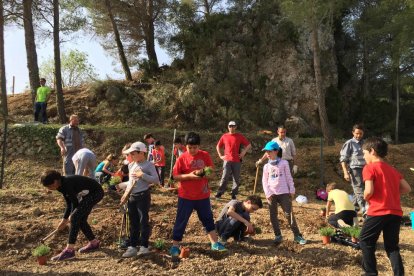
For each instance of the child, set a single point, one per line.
(179, 148)
(193, 192)
(234, 219)
(106, 169)
(383, 186)
(81, 194)
(141, 174)
(85, 162)
(278, 187)
(344, 209)
(150, 140)
(158, 154)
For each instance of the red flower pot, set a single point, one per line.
(42, 260)
(326, 239)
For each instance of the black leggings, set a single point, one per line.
(79, 217)
(346, 215)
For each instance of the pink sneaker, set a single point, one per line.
(64, 255)
(92, 245)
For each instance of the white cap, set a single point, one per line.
(232, 123)
(137, 146)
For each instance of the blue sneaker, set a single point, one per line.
(175, 251)
(278, 239)
(300, 240)
(217, 246)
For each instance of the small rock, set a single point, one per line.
(37, 212)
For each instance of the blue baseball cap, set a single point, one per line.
(271, 146)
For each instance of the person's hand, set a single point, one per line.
(137, 174)
(62, 224)
(259, 162)
(269, 200)
(199, 173)
(346, 176)
(222, 157)
(292, 195)
(250, 228)
(62, 151)
(241, 155)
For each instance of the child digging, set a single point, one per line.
(81, 193)
(279, 187)
(234, 219)
(193, 193)
(344, 209)
(141, 174)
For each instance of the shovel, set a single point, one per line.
(48, 236)
(255, 179)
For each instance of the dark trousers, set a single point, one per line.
(138, 209)
(184, 211)
(285, 202)
(230, 170)
(40, 108)
(161, 174)
(79, 217)
(347, 216)
(358, 187)
(390, 227)
(230, 227)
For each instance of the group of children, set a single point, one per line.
(383, 186)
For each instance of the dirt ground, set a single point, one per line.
(28, 214)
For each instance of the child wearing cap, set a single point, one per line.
(193, 192)
(141, 174)
(278, 187)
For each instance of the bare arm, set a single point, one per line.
(218, 148)
(328, 208)
(244, 151)
(61, 145)
(404, 187)
(369, 189)
(345, 170)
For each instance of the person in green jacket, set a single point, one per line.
(42, 96)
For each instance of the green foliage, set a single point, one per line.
(352, 231)
(115, 180)
(41, 250)
(208, 171)
(76, 70)
(159, 244)
(327, 231)
(257, 229)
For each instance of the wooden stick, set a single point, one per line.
(255, 180)
(49, 235)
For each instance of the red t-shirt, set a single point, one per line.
(231, 143)
(386, 197)
(159, 156)
(195, 189)
(182, 149)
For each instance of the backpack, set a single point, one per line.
(321, 194)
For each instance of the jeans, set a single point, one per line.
(371, 230)
(286, 203)
(40, 107)
(138, 209)
(230, 170)
(358, 187)
(230, 227)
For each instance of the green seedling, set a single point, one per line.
(257, 230)
(159, 244)
(115, 180)
(208, 171)
(327, 231)
(41, 250)
(94, 221)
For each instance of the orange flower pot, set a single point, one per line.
(326, 239)
(42, 260)
(185, 252)
(354, 240)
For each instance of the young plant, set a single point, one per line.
(327, 231)
(355, 232)
(115, 180)
(41, 250)
(159, 244)
(257, 229)
(208, 171)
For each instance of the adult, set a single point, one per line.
(287, 146)
(85, 162)
(69, 140)
(150, 140)
(352, 162)
(231, 142)
(42, 96)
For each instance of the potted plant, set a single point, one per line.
(159, 244)
(323, 212)
(355, 232)
(326, 233)
(185, 252)
(41, 253)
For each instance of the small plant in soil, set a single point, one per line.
(94, 221)
(327, 231)
(159, 244)
(257, 230)
(115, 180)
(355, 232)
(41, 250)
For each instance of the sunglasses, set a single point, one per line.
(232, 126)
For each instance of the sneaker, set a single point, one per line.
(278, 239)
(175, 251)
(222, 240)
(143, 251)
(342, 223)
(64, 255)
(218, 195)
(300, 240)
(233, 197)
(217, 246)
(130, 252)
(92, 245)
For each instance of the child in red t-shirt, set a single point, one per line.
(193, 192)
(158, 154)
(383, 186)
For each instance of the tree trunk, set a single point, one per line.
(58, 73)
(397, 103)
(323, 117)
(29, 39)
(3, 93)
(150, 37)
(119, 45)
(206, 8)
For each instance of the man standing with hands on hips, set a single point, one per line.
(232, 157)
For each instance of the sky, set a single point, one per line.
(16, 62)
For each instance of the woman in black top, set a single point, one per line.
(81, 194)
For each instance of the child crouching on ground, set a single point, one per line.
(344, 209)
(193, 192)
(279, 187)
(141, 174)
(234, 219)
(81, 193)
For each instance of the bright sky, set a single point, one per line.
(16, 63)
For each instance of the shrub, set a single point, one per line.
(41, 250)
(327, 231)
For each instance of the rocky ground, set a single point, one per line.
(28, 213)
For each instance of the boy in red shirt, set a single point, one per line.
(383, 186)
(158, 154)
(232, 157)
(193, 192)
